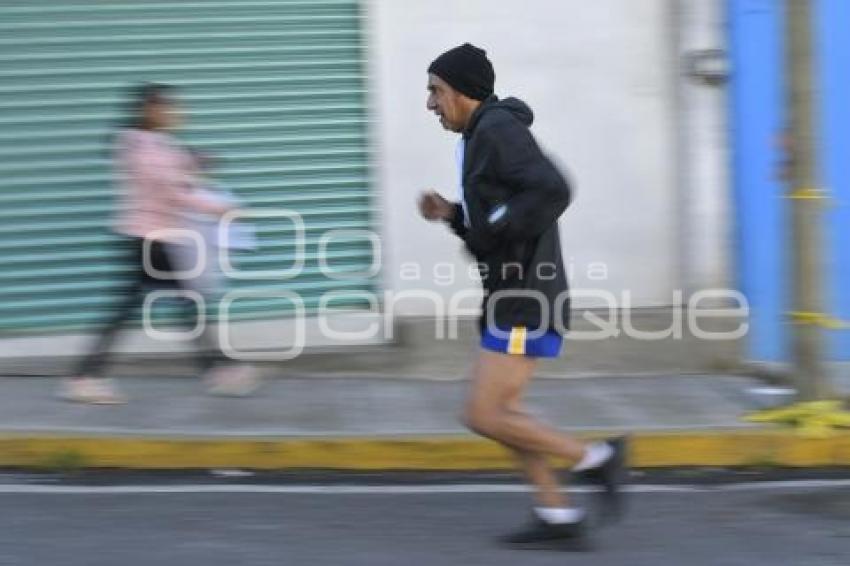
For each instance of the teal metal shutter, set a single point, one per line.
(274, 89)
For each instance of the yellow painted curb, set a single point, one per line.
(433, 453)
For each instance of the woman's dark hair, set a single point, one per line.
(140, 97)
(134, 117)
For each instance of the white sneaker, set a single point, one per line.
(94, 391)
(232, 381)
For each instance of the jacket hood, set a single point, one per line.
(519, 109)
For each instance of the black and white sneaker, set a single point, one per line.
(540, 534)
(610, 475)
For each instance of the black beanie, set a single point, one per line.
(467, 69)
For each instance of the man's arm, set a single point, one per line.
(457, 220)
(434, 207)
(540, 191)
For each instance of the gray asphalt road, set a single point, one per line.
(224, 524)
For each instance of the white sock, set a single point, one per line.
(559, 515)
(595, 455)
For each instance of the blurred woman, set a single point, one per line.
(158, 179)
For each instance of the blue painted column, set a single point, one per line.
(832, 19)
(761, 212)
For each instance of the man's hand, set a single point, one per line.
(434, 207)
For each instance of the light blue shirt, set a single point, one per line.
(459, 151)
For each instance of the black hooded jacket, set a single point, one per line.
(514, 196)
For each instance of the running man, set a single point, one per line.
(510, 199)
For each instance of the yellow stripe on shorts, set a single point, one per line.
(516, 344)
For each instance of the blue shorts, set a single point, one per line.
(517, 342)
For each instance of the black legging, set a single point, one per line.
(207, 353)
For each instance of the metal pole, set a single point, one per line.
(806, 200)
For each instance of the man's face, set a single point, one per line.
(446, 103)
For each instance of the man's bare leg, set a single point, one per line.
(541, 475)
(538, 470)
(498, 383)
(494, 410)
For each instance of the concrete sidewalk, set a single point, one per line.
(415, 351)
(317, 406)
(386, 423)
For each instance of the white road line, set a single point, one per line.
(36, 489)
(276, 434)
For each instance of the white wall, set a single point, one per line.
(600, 79)
(706, 232)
